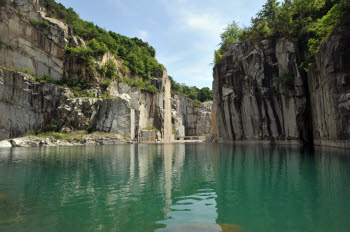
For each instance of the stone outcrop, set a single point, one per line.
(251, 102)
(329, 86)
(154, 108)
(90, 139)
(27, 105)
(26, 47)
(190, 119)
(147, 136)
(5, 144)
(31, 106)
(261, 94)
(204, 122)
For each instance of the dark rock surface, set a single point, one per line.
(252, 101)
(261, 94)
(330, 92)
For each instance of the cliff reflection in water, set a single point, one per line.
(174, 187)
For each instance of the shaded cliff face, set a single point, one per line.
(329, 84)
(259, 92)
(189, 119)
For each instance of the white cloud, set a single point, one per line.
(198, 27)
(143, 34)
(206, 22)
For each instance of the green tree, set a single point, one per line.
(230, 35)
(205, 94)
(310, 21)
(138, 55)
(98, 48)
(269, 13)
(284, 19)
(111, 69)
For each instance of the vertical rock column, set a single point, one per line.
(167, 126)
(329, 87)
(213, 129)
(259, 93)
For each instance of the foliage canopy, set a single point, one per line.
(136, 54)
(193, 93)
(311, 21)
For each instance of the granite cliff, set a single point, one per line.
(261, 94)
(26, 104)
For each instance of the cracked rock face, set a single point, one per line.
(259, 92)
(153, 108)
(25, 47)
(27, 106)
(329, 84)
(33, 106)
(189, 119)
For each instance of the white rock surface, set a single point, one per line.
(5, 144)
(189, 119)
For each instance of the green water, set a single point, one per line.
(177, 187)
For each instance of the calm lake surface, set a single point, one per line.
(174, 187)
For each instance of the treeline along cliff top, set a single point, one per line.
(138, 57)
(311, 21)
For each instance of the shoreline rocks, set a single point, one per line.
(89, 139)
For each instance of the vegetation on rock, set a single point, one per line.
(138, 57)
(40, 24)
(136, 54)
(141, 84)
(79, 87)
(44, 78)
(311, 21)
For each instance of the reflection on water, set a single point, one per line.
(174, 187)
(196, 209)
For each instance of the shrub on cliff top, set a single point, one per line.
(312, 21)
(141, 84)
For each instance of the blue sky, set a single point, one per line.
(184, 33)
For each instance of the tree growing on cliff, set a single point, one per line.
(205, 94)
(311, 21)
(269, 14)
(231, 34)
